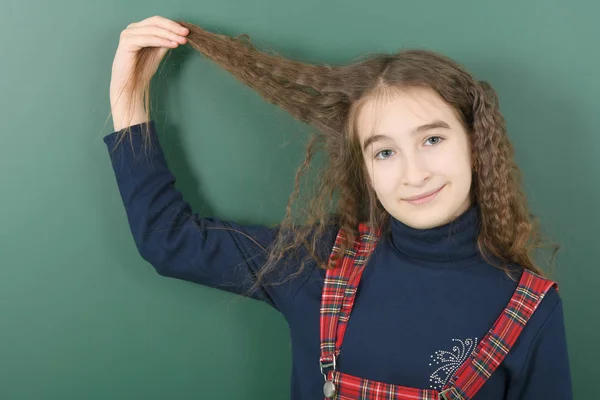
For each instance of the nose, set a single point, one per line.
(415, 172)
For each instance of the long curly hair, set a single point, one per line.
(329, 99)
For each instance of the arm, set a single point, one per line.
(546, 372)
(177, 242)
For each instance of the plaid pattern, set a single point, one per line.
(504, 333)
(339, 292)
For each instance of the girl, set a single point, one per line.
(421, 282)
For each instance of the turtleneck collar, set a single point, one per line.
(454, 241)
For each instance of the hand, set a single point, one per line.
(151, 32)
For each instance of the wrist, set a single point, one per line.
(124, 118)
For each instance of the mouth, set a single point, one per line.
(425, 197)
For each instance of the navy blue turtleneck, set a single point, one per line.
(425, 300)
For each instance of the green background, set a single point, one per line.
(83, 316)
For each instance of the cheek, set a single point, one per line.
(447, 166)
(380, 177)
(452, 163)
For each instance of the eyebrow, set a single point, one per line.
(432, 125)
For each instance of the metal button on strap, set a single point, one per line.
(329, 389)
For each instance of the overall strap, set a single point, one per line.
(339, 291)
(496, 344)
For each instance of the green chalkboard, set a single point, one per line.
(83, 316)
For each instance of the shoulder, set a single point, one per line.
(536, 291)
(547, 315)
(548, 307)
(544, 332)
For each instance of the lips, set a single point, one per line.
(423, 195)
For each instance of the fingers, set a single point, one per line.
(165, 23)
(142, 40)
(170, 24)
(155, 31)
(158, 32)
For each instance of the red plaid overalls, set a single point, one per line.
(337, 299)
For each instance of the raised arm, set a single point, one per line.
(177, 242)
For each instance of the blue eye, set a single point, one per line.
(382, 151)
(435, 137)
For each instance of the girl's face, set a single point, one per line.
(413, 144)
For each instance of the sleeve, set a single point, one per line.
(177, 242)
(546, 372)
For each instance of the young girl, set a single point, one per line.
(421, 282)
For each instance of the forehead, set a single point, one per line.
(397, 112)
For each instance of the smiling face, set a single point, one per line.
(423, 148)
